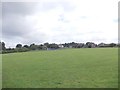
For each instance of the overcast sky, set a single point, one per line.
(59, 21)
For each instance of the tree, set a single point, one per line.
(0, 46)
(90, 44)
(46, 44)
(33, 47)
(112, 44)
(53, 46)
(39, 47)
(24, 49)
(26, 46)
(118, 44)
(3, 46)
(19, 46)
(66, 45)
(80, 45)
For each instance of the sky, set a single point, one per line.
(59, 21)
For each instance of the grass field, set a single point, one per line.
(0, 71)
(67, 68)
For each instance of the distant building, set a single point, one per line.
(60, 46)
(70, 46)
(103, 45)
(44, 47)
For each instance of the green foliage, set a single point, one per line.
(26, 46)
(33, 47)
(66, 68)
(19, 46)
(53, 46)
(2, 46)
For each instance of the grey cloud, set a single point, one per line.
(20, 8)
(34, 37)
(24, 8)
(0, 11)
(50, 5)
(15, 26)
(13, 19)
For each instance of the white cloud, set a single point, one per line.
(71, 20)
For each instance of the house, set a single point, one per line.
(60, 46)
(106, 45)
(70, 46)
(44, 47)
(101, 45)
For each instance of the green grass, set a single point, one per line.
(67, 68)
(0, 71)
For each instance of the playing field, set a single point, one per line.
(67, 68)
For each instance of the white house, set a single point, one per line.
(60, 46)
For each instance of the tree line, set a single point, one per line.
(52, 46)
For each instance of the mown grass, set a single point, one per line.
(0, 71)
(67, 68)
